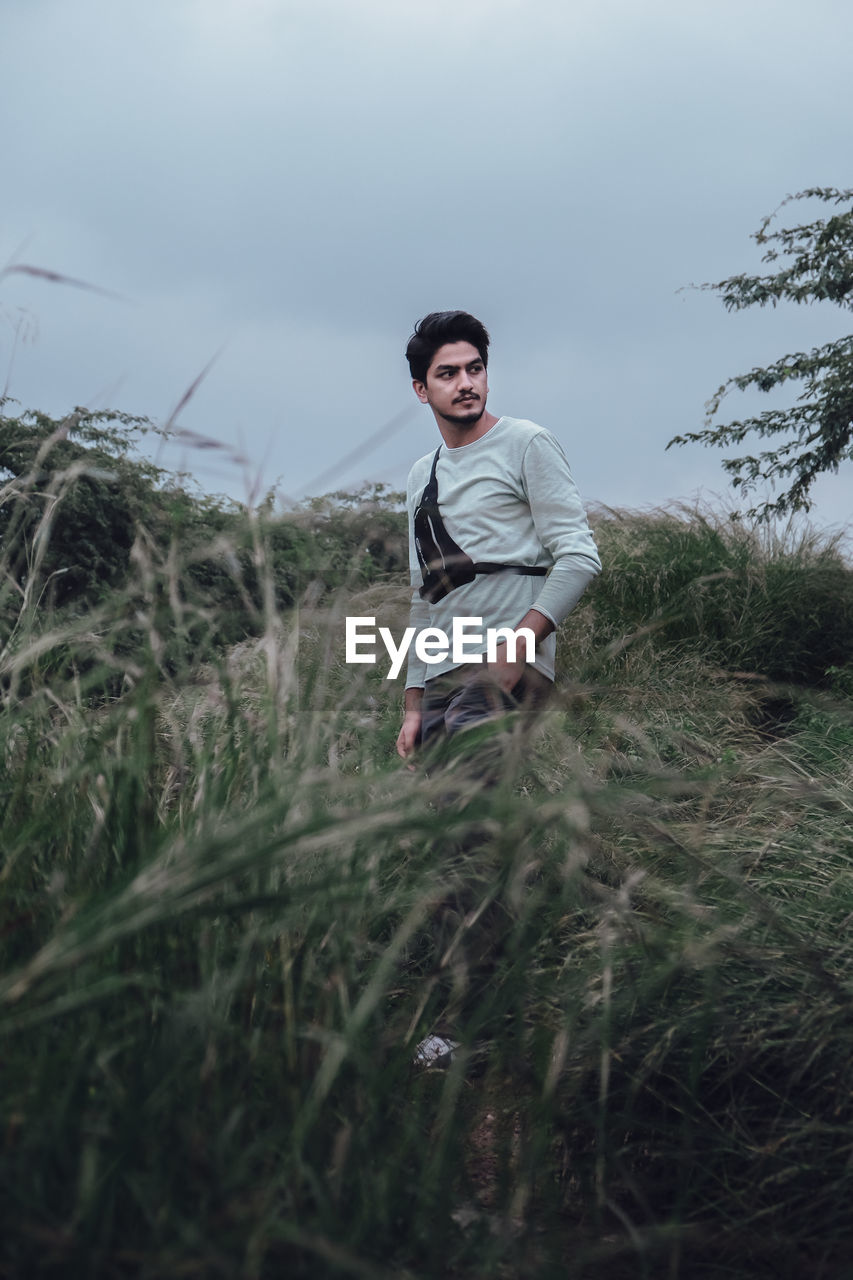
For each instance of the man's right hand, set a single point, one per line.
(407, 738)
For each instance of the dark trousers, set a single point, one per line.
(458, 700)
(470, 923)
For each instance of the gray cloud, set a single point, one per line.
(297, 185)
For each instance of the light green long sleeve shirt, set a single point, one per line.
(509, 497)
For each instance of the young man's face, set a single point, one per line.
(456, 386)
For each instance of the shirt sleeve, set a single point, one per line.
(561, 525)
(419, 619)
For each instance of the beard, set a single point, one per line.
(469, 415)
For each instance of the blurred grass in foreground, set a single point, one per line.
(220, 897)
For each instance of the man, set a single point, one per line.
(509, 506)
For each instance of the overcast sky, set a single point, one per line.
(291, 185)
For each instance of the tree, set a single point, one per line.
(71, 496)
(76, 494)
(814, 264)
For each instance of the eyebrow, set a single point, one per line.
(454, 367)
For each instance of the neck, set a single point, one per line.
(455, 434)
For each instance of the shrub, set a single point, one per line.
(778, 605)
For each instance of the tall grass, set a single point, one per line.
(758, 598)
(224, 928)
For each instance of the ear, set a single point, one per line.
(420, 391)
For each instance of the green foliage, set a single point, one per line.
(71, 500)
(772, 604)
(816, 264)
(227, 916)
(82, 512)
(356, 537)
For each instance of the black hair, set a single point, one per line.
(438, 328)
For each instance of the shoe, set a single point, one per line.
(435, 1051)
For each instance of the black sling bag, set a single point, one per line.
(444, 565)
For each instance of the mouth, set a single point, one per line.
(467, 400)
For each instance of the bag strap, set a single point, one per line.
(430, 493)
(450, 552)
(493, 566)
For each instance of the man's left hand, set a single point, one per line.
(506, 674)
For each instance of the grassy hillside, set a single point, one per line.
(224, 922)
